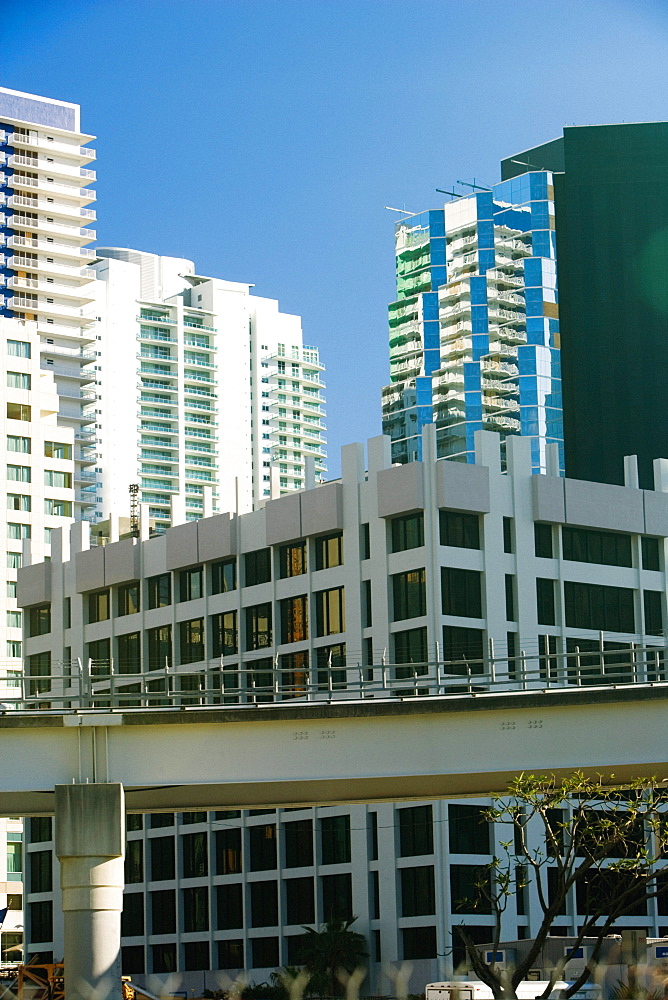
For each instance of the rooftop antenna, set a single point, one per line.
(525, 163)
(133, 490)
(402, 211)
(476, 187)
(453, 194)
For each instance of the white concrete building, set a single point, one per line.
(45, 196)
(225, 394)
(37, 482)
(427, 577)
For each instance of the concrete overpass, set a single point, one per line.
(88, 766)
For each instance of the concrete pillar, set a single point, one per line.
(90, 845)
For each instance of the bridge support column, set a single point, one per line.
(90, 844)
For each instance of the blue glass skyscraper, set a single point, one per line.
(474, 331)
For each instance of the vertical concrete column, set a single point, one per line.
(90, 845)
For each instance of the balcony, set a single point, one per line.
(49, 288)
(42, 307)
(71, 271)
(41, 142)
(50, 247)
(199, 326)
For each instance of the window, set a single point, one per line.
(418, 897)
(190, 584)
(160, 647)
(13, 619)
(161, 820)
(229, 907)
(18, 348)
(264, 904)
(224, 576)
(607, 609)
(191, 635)
(13, 649)
(265, 952)
(132, 960)
(335, 840)
(98, 606)
(650, 553)
(410, 594)
(41, 874)
(292, 560)
(461, 592)
(132, 917)
(605, 547)
(196, 908)
(57, 449)
(58, 508)
(39, 620)
(18, 380)
(542, 538)
(418, 942)
(410, 646)
(40, 916)
(469, 829)
(545, 605)
(14, 560)
(467, 893)
(18, 473)
(407, 532)
(19, 411)
(162, 859)
(129, 653)
(330, 611)
(195, 851)
(262, 847)
(231, 954)
(298, 841)
(99, 652)
(459, 530)
(329, 551)
(300, 901)
(17, 532)
(224, 634)
(63, 480)
(228, 851)
(373, 836)
(337, 896)
(510, 597)
(159, 591)
(128, 598)
(258, 626)
(365, 542)
(40, 829)
(134, 861)
(294, 618)
(652, 601)
(18, 501)
(367, 606)
(257, 567)
(163, 957)
(20, 444)
(10, 588)
(416, 831)
(163, 911)
(508, 533)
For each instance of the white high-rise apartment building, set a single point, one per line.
(44, 214)
(36, 496)
(200, 384)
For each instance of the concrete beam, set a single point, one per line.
(290, 755)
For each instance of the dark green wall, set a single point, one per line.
(612, 251)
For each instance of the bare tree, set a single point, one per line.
(599, 844)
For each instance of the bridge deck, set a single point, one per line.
(298, 753)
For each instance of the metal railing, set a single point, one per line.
(95, 684)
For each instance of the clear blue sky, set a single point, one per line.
(263, 138)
